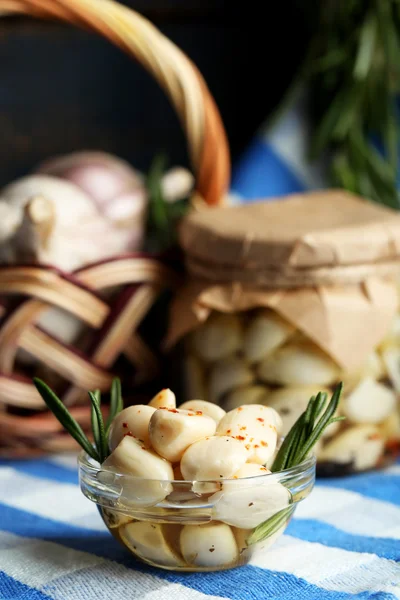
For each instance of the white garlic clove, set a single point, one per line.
(171, 431)
(370, 402)
(257, 426)
(227, 375)
(250, 470)
(195, 378)
(247, 507)
(390, 428)
(299, 364)
(207, 408)
(253, 394)
(153, 473)
(213, 458)
(373, 367)
(134, 420)
(291, 402)
(393, 336)
(218, 338)
(361, 445)
(148, 540)
(209, 545)
(164, 399)
(264, 334)
(114, 518)
(391, 360)
(177, 184)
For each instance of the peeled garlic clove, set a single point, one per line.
(194, 376)
(213, 458)
(148, 541)
(370, 402)
(114, 518)
(226, 375)
(299, 364)
(177, 184)
(153, 473)
(291, 402)
(218, 338)
(265, 333)
(393, 336)
(207, 408)
(209, 545)
(390, 428)
(164, 399)
(361, 445)
(391, 360)
(253, 394)
(250, 470)
(247, 507)
(257, 426)
(134, 420)
(171, 431)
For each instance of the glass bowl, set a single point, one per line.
(196, 525)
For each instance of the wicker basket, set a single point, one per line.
(26, 428)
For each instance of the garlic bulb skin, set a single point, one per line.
(213, 458)
(171, 431)
(132, 420)
(209, 545)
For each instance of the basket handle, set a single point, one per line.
(174, 71)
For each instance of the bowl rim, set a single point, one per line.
(89, 466)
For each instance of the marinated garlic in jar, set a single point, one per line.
(210, 449)
(273, 364)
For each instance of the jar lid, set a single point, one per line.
(308, 239)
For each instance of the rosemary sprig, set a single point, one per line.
(163, 216)
(100, 450)
(99, 432)
(116, 402)
(352, 69)
(295, 448)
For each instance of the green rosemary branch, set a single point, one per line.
(163, 216)
(353, 70)
(100, 450)
(295, 448)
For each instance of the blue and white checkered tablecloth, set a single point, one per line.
(344, 541)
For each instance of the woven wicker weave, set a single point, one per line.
(25, 427)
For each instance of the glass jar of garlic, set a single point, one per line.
(285, 299)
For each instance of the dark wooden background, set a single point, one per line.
(62, 89)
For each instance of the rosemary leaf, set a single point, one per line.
(55, 405)
(99, 429)
(116, 402)
(270, 526)
(322, 423)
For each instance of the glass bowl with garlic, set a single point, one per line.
(195, 488)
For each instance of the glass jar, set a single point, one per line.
(285, 299)
(199, 525)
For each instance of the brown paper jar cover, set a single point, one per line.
(309, 239)
(272, 254)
